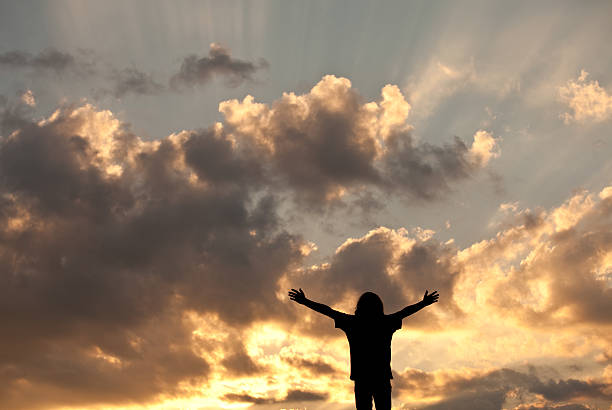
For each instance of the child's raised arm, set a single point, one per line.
(428, 299)
(299, 297)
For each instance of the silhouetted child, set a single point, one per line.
(369, 333)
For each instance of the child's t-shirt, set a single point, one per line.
(369, 344)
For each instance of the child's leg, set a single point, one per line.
(363, 395)
(382, 396)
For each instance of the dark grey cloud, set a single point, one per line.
(14, 114)
(537, 406)
(63, 371)
(315, 366)
(291, 396)
(246, 398)
(425, 171)
(303, 395)
(397, 266)
(562, 390)
(489, 390)
(96, 260)
(134, 81)
(193, 71)
(49, 59)
(238, 363)
(196, 70)
(213, 157)
(125, 81)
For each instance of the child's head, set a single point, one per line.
(369, 305)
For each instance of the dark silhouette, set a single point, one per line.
(369, 332)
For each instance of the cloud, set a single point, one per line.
(15, 112)
(219, 62)
(497, 389)
(96, 364)
(301, 395)
(194, 71)
(49, 60)
(327, 145)
(484, 148)
(246, 398)
(425, 171)
(556, 264)
(396, 265)
(107, 240)
(133, 81)
(587, 100)
(487, 400)
(121, 82)
(544, 406)
(291, 396)
(315, 366)
(539, 287)
(239, 363)
(562, 390)
(83, 62)
(28, 98)
(150, 267)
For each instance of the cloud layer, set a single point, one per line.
(142, 271)
(194, 70)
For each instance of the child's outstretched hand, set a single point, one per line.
(431, 298)
(297, 295)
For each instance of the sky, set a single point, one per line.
(168, 170)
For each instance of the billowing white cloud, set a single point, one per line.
(587, 100)
(327, 144)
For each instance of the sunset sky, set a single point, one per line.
(168, 170)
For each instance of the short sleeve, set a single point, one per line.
(394, 322)
(343, 321)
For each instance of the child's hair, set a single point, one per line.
(369, 304)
